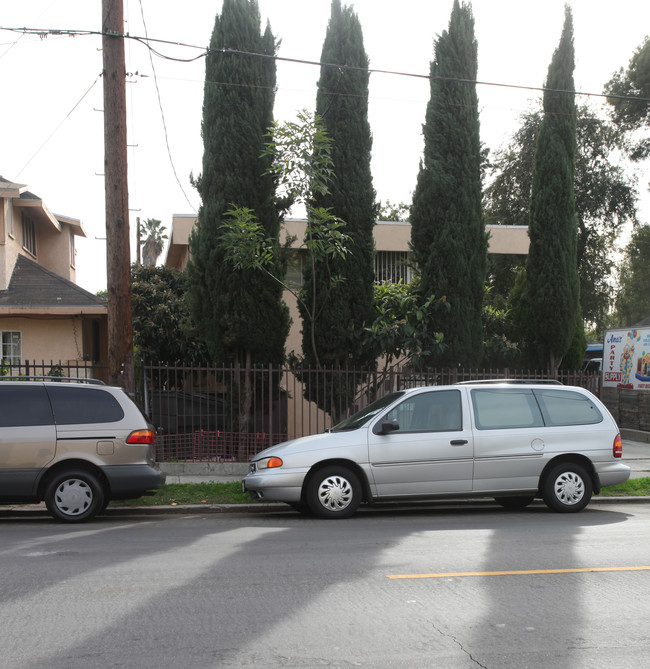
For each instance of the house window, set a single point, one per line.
(392, 266)
(71, 248)
(11, 347)
(29, 236)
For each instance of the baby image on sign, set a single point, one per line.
(626, 358)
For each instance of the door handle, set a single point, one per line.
(458, 442)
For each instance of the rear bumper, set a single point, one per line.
(612, 473)
(127, 481)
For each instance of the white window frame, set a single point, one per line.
(9, 348)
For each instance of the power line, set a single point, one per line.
(55, 129)
(162, 116)
(146, 41)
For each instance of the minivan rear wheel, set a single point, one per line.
(567, 488)
(74, 496)
(333, 492)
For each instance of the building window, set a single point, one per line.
(29, 236)
(71, 248)
(392, 267)
(294, 277)
(11, 347)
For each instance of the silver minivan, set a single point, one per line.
(510, 441)
(74, 444)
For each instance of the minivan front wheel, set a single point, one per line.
(74, 496)
(567, 488)
(333, 492)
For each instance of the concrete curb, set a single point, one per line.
(29, 511)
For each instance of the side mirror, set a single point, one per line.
(388, 426)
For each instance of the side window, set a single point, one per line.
(436, 411)
(75, 406)
(567, 408)
(499, 408)
(24, 406)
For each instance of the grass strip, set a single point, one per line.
(230, 493)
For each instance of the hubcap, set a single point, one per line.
(73, 497)
(335, 493)
(569, 488)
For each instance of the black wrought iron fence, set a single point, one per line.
(229, 413)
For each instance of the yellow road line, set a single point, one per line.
(517, 573)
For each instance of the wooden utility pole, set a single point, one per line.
(118, 247)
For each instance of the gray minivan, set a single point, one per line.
(510, 441)
(75, 445)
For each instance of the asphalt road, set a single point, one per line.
(439, 585)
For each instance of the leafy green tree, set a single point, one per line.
(552, 286)
(605, 202)
(152, 240)
(163, 330)
(404, 328)
(633, 297)
(394, 212)
(342, 104)
(448, 237)
(630, 91)
(301, 159)
(240, 313)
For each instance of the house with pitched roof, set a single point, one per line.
(44, 314)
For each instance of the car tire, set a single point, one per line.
(514, 502)
(567, 488)
(333, 492)
(74, 496)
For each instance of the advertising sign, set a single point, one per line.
(626, 358)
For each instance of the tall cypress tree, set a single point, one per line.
(552, 286)
(342, 103)
(448, 238)
(239, 313)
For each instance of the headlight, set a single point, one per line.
(269, 463)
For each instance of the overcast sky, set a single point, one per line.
(52, 124)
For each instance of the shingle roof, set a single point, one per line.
(34, 286)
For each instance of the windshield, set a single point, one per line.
(361, 417)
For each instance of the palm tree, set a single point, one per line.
(152, 240)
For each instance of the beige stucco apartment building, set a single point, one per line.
(44, 315)
(391, 254)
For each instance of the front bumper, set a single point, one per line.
(275, 486)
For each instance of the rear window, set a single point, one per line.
(81, 406)
(500, 408)
(24, 406)
(567, 408)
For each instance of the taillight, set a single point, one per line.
(141, 437)
(618, 446)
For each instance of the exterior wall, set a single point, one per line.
(56, 339)
(53, 239)
(294, 338)
(392, 236)
(389, 236)
(179, 241)
(53, 251)
(9, 246)
(508, 239)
